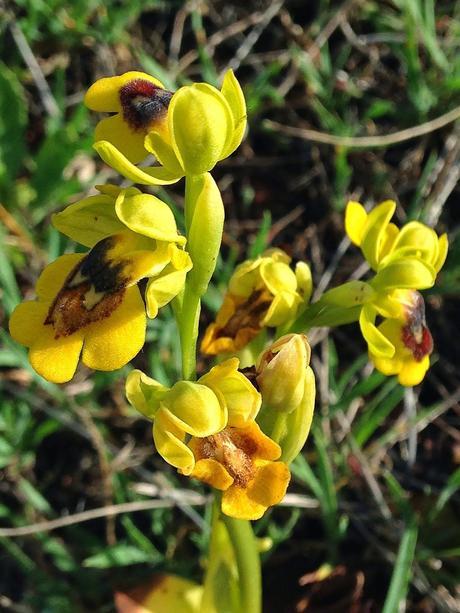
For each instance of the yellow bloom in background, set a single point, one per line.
(75, 315)
(412, 342)
(262, 292)
(382, 242)
(144, 220)
(204, 125)
(139, 103)
(241, 463)
(221, 397)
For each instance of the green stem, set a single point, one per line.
(248, 562)
(188, 331)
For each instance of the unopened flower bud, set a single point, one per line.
(281, 372)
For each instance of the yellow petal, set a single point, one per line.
(104, 94)
(195, 409)
(267, 489)
(113, 342)
(278, 277)
(304, 281)
(443, 246)
(355, 221)
(55, 359)
(413, 372)
(378, 343)
(26, 321)
(201, 124)
(156, 175)
(89, 220)
(233, 93)
(149, 216)
(161, 148)
(161, 290)
(417, 236)
(283, 308)
(241, 397)
(257, 444)
(169, 444)
(213, 473)
(144, 393)
(409, 273)
(375, 231)
(53, 276)
(116, 131)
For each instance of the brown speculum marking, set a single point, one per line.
(415, 335)
(143, 103)
(418, 340)
(234, 450)
(248, 315)
(92, 291)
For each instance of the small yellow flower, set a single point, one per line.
(222, 397)
(204, 125)
(382, 242)
(411, 340)
(241, 462)
(139, 103)
(74, 314)
(262, 292)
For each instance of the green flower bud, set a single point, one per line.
(281, 371)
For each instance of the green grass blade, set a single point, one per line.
(397, 592)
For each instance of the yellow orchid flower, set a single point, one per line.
(204, 126)
(84, 306)
(150, 225)
(412, 342)
(262, 292)
(382, 243)
(223, 396)
(241, 463)
(87, 304)
(139, 103)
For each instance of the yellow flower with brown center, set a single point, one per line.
(89, 304)
(139, 103)
(262, 292)
(242, 463)
(412, 341)
(75, 314)
(221, 397)
(204, 125)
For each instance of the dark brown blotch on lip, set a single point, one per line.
(94, 275)
(143, 103)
